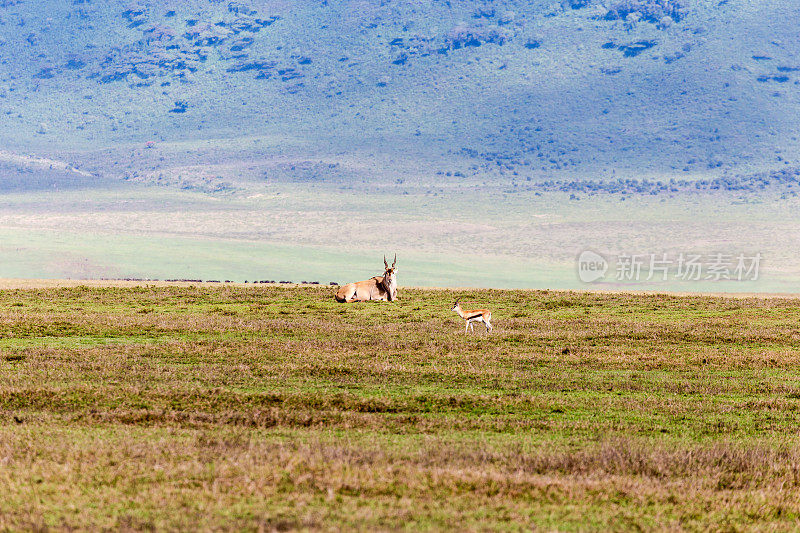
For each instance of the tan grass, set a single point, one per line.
(268, 408)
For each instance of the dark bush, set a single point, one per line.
(648, 10)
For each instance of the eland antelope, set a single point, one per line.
(474, 315)
(377, 288)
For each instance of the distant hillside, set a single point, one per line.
(525, 90)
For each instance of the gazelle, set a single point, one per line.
(474, 315)
(377, 288)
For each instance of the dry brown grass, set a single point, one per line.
(270, 408)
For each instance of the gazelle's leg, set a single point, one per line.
(471, 327)
(466, 327)
(489, 327)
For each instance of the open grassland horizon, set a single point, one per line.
(225, 406)
(42, 283)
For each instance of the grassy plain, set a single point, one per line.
(451, 234)
(262, 407)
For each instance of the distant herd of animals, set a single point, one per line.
(385, 288)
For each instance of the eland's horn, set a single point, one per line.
(385, 263)
(395, 260)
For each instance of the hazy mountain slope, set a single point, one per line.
(488, 143)
(540, 88)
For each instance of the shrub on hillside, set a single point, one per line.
(649, 10)
(462, 36)
(575, 4)
(532, 43)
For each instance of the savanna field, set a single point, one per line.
(220, 407)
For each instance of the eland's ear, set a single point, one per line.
(385, 263)
(395, 260)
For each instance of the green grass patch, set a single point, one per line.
(274, 407)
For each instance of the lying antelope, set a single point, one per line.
(474, 315)
(377, 288)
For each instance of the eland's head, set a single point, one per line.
(390, 271)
